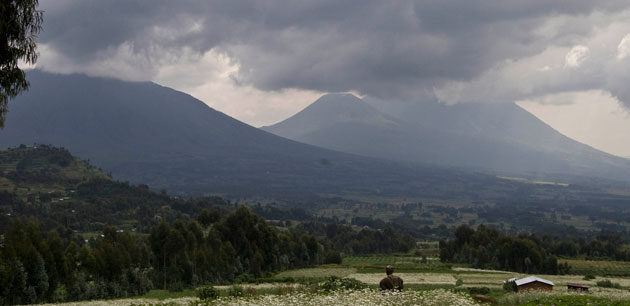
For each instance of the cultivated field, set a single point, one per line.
(427, 282)
(599, 267)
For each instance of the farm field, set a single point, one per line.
(470, 277)
(427, 282)
(598, 267)
(433, 297)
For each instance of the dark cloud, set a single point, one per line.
(380, 48)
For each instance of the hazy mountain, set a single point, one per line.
(498, 137)
(146, 133)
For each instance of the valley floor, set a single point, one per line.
(435, 288)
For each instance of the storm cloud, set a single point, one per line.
(459, 51)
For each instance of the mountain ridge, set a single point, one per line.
(502, 138)
(149, 134)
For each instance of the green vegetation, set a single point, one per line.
(159, 294)
(608, 284)
(407, 263)
(336, 283)
(575, 301)
(487, 248)
(71, 233)
(598, 267)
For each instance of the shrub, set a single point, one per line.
(478, 290)
(459, 282)
(589, 277)
(509, 286)
(332, 257)
(236, 291)
(249, 291)
(336, 283)
(207, 293)
(608, 284)
(283, 290)
(243, 278)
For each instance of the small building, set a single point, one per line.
(533, 283)
(577, 287)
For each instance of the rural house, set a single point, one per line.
(533, 283)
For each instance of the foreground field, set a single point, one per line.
(439, 297)
(427, 282)
(361, 297)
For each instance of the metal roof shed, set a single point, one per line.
(533, 283)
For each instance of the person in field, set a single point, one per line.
(391, 281)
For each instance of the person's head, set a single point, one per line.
(389, 270)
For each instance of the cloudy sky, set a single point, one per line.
(260, 61)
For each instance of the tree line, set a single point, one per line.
(59, 265)
(488, 248)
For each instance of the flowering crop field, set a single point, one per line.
(368, 297)
(562, 297)
(361, 297)
(365, 297)
(305, 294)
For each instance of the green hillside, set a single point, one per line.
(58, 189)
(43, 171)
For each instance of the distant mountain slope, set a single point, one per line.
(502, 138)
(149, 134)
(59, 190)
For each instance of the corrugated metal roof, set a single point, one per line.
(531, 279)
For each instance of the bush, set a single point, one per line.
(588, 277)
(236, 291)
(479, 290)
(243, 279)
(332, 257)
(509, 286)
(608, 284)
(459, 282)
(207, 293)
(336, 283)
(283, 290)
(249, 291)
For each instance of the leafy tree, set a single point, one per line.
(20, 22)
(332, 257)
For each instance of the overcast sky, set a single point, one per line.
(566, 61)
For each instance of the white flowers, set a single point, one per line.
(367, 297)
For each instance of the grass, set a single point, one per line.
(411, 296)
(415, 283)
(403, 263)
(319, 272)
(598, 267)
(575, 301)
(595, 296)
(165, 294)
